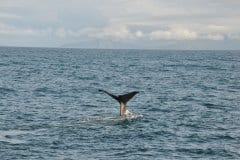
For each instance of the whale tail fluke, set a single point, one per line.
(121, 98)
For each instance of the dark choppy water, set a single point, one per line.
(50, 107)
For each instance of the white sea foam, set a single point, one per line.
(110, 118)
(9, 136)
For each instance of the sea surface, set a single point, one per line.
(188, 106)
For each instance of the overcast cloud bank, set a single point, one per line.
(151, 24)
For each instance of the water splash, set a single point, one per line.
(110, 118)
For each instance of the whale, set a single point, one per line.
(122, 99)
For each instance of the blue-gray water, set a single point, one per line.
(50, 108)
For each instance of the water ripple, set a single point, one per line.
(187, 108)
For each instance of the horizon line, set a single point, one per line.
(93, 48)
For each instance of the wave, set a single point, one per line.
(9, 136)
(4, 90)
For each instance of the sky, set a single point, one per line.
(135, 24)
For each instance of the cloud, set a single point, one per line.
(215, 37)
(14, 31)
(109, 32)
(234, 36)
(176, 34)
(9, 16)
(139, 34)
(113, 32)
(138, 21)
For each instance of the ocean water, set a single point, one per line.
(188, 106)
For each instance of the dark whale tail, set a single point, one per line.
(122, 99)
